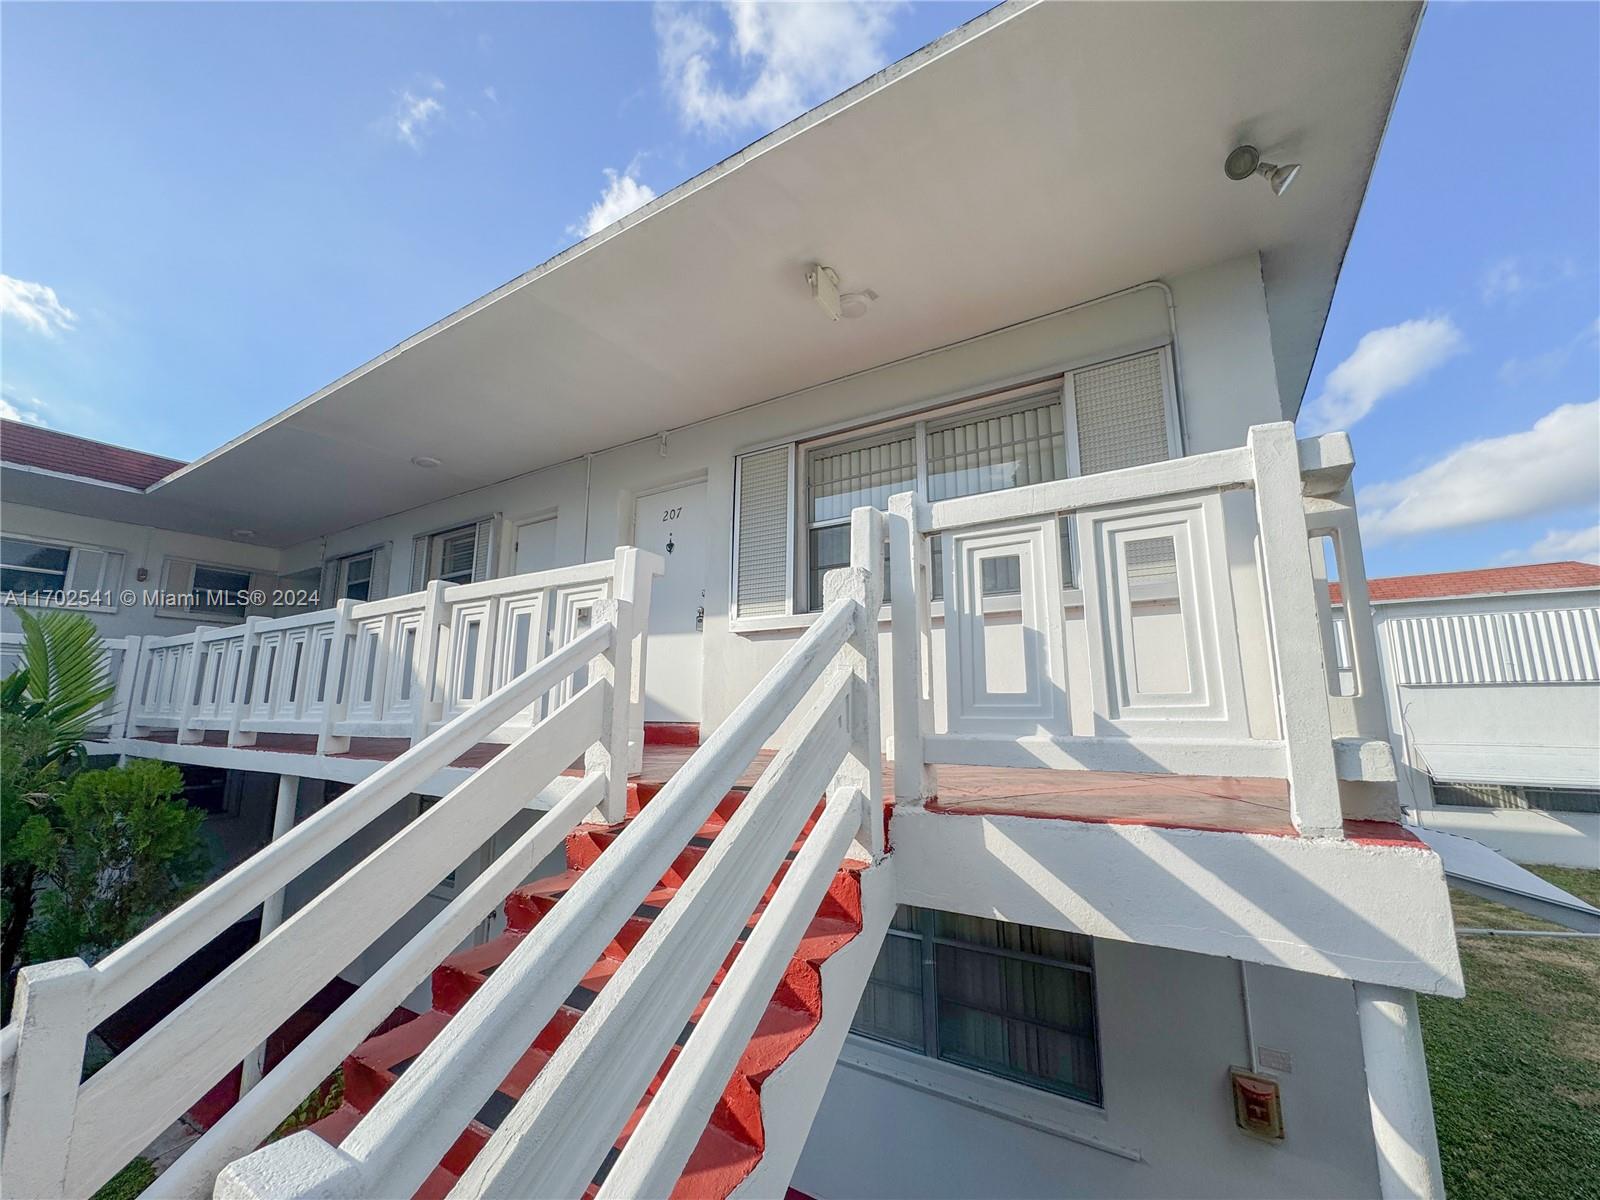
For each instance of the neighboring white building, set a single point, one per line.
(1141, 918)
(1492, 679)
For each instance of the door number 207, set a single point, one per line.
(672, 514)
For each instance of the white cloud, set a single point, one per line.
(16, 407)
(1561, 545)
(1383, 361)
(413, 113)
(623, 193)
(1554, 465)
(778, 60)
(36, 306)
(1509, 278)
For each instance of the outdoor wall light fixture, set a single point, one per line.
(824, 283)
(1245, 161)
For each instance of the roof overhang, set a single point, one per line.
(1035, 158)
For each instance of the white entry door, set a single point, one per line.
(673, 525)
(536, 545)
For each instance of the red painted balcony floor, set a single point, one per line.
(1207, 802)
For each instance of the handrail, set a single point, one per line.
(127, 971)
(564, 1124)
(660, 1145)
(582, 1098)
(89, 1131)
(247, 1123)
(203, 1037)
(500, 1021)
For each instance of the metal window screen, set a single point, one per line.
(762, 586)
(994, 451)
(838, 481)
(1122, 414)
(1496, 795)
(457, 552)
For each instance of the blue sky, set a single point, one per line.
(210, 211)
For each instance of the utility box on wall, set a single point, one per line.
(1257, 1104)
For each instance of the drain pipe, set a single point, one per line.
(588, 479)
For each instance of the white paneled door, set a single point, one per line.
(536, 545)
(673, 525)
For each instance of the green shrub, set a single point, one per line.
(119, 850)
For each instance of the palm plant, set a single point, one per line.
(47, 706)
(61, 681)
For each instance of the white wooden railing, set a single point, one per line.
(561, 1129)
(1152, 676)
(122, 658)
(66, 1139)
(398, 667)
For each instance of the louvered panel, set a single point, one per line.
(1530, 646)
(1553, 645)
(761, 585)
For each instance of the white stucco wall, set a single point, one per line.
(1171, 1024)
(1523, 720)
(142, 546)
(1225, 383)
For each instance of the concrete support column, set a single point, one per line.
(1397, 1090)
(272, 912)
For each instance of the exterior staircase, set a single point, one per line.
(732, 1146)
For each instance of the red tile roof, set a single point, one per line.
(1533, 577)
(31, 446)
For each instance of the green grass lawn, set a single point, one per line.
(1515, 1067)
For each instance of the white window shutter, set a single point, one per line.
(379, 588)
(419, 562)
(763, 520)
(95, 571)
(1122, 413)
(483, 551)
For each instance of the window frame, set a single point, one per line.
(924, 934)
(193, 609)
(65, 572)
(436, 542)
(342, 580)
(74, 549)
(949, 410)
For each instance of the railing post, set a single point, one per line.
(302, 1164)
(272, 914)
(122, 700)
(632, 581)
(334, 700)
(245, 684)
(193, 677)
(1314, 804)
(1335, 517)
(608, 755)
(53, 1013)
(425, 671)
(862, 768)
(915, 780)
(141, 684)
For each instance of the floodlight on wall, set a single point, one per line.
(1245, 161)
(824, 284)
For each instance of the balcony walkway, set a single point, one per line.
(1215, 803)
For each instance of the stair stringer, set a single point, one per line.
(791, 1095)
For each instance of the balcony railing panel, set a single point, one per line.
(398, 667)
(1153, 676)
